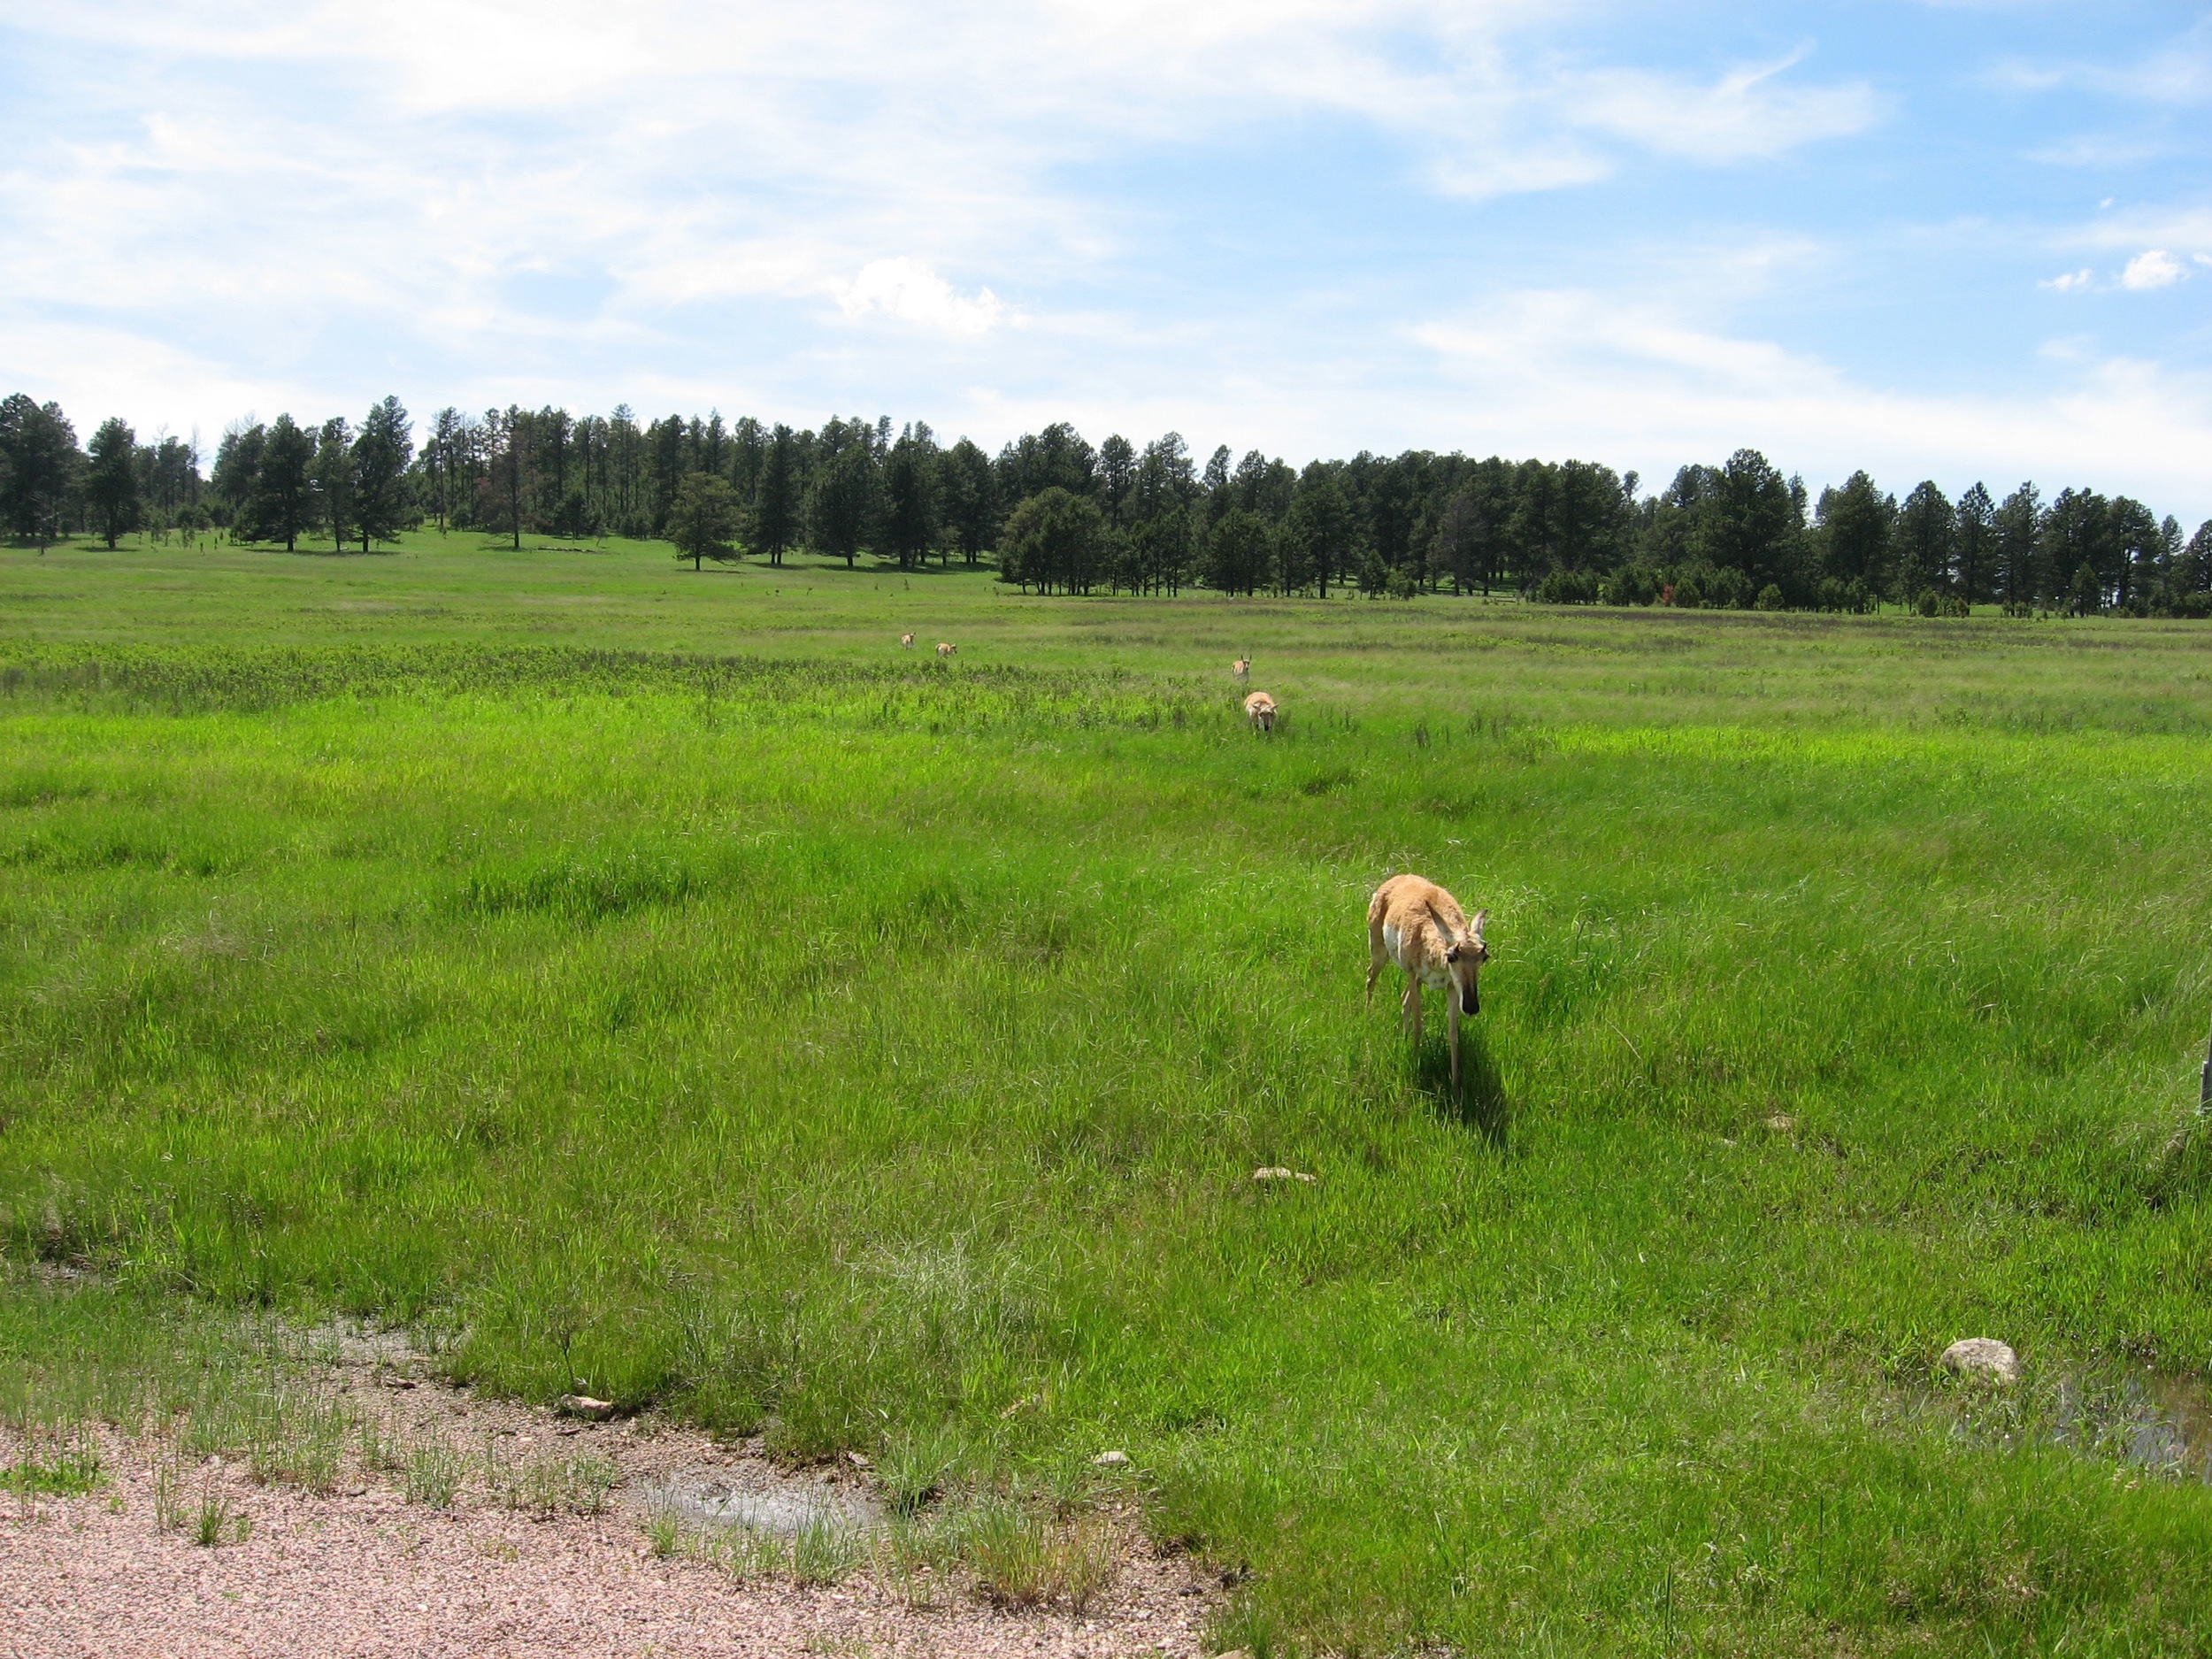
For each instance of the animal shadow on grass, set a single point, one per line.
(1479, 1103)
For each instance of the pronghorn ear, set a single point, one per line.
(1480, 918)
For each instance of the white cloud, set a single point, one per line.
(1749, 112)
(1646, 384)
(232, 204)
(2153, 269)
(2067, 282)
(2178, 72)
(910, 290)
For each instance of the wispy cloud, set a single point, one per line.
(1750, 111)
(1634, 380)
(1304, 224)
(2178, 70)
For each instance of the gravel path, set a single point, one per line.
(363, 1572)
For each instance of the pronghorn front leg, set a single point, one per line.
(1410, 1013)
(1451, 1020)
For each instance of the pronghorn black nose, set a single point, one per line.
(1471, 1001)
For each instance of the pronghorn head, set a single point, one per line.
(1465, 956)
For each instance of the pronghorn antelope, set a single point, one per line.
(1242, 669)
(907, 639)
(944, 650)
(1259, 707)
(1416, 924)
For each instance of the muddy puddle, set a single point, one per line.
(2156, 1421)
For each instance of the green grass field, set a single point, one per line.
(661, 983)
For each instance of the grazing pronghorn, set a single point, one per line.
(944, 650)
(1242, 669)
(1259, 707)
(907, 639)
(1416, 924)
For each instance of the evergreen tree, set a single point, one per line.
(1238, 552)
(967, 499)
(444, 453)
(1976, 544)
(1921, 539)
(704, 517)
(2133, 548)
(2071, 538)
(2019, 533)
(380, 455)
(2192, 571)
(237, 474)
(1854, 522)
(776, 497)
(505, 502)
(910, 478)
(1117, 479)
(282, 505)
(1317, 530)
(1054, 539)
(846, 496)
(112, 479)
(39, 461)
(331, 476)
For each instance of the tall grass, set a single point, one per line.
(877, 1056)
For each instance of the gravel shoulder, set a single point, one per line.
(359, 1569)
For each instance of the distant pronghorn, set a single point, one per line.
(907, 639)
(1242, 669)
(1259, 707)
(1417, 925)
(944, 650)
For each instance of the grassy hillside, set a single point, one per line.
(668, 985)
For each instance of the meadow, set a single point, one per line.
(661, 984)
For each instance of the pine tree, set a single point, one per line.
(331, 474)
(39, 461)
(282, 507)
(776, 501)
(112, 479)
(380, 455)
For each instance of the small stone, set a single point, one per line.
(856, 1459)
(1782, 1123)
(1983, 1357)
(1276, 1173)
(1110, 1460)
(357, 1492)
(585, 1406)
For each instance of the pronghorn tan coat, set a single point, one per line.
(1242, 669)
(1259, 707)
(944, 650)
(1417, 925)
(907, 639)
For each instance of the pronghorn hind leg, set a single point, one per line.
(1412, 1019)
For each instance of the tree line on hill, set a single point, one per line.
(1057, 514)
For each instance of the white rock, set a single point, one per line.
(1276, 1173)
(585, 1406)
(1110, 1460)
(1982, 1356)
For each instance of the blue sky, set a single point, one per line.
(1952, 240)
